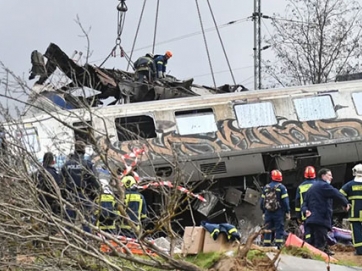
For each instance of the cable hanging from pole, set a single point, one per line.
(221, 42)
(122, 9)
(155, 30)
(206, 47)
(136, 34)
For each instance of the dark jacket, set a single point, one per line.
(319, 201)
(282, 195)
(79, 177)
(46, 185)
(215, 229)
(145, 63)
(160, 62)
(300, 195)
(136, 207)
(353, 191)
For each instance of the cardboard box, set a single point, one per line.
(193, 240)
(219, 245)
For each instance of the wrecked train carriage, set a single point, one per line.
(234, 139)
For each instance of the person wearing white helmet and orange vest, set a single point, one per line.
(353, 191)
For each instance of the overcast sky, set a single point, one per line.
(29, 25)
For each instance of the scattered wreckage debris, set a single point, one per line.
(112, 82)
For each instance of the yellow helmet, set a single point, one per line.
(128, 181)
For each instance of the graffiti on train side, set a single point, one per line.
(229, 137)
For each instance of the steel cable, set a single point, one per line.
(206, 46)
(221, 42)
(155, 30)
(136, 34)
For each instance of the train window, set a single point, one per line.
(357, 100)
(83, 131)
(314, 108)
(255, 114)
(131, 128)
(198, 121)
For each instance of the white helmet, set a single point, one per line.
(357, 170)
(105, 186)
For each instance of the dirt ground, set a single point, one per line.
(345, 254)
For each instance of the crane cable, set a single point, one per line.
(122, 9)
(221, 42)
(136, 34)
(206, 47)
(155, 30)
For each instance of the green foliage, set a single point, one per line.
(204, 260)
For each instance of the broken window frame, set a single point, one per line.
(135, 132)
(196, 118)
(253, 117)
(310, 105)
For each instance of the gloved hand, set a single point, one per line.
(287, 216)
(263, 216)
(160, 74)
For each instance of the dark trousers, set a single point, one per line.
(307, 234)
(142, 75)
(274, 221)
(318, 236)
(356, 228)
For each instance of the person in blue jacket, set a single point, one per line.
(353, 191)
(318, 208)
(309, 175)
(81, 184)
(161, 62)
(275, 207)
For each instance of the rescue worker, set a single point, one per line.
(135, 205)
(145, 67)
(318, 208)
(107, 212)
(81, 184)
(161, 62)
(48, 186)
(353, 191)
(309, 175)
(275, 207)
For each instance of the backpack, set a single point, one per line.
(271, 201)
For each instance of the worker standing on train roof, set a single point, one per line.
(145, 67)
(353, 191)
(161, 62)
(309, 175)
(275, 206)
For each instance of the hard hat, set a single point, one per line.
(276, 175)
(357, 170)
(309, 172)
(128, 181)
(168, 54)
(150, 55)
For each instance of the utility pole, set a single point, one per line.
(257, 44)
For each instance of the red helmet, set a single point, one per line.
(276, 175)
(168, 54)
(309, 172)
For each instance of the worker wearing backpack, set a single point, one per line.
(275, 206)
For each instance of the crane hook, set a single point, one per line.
(122, 7)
